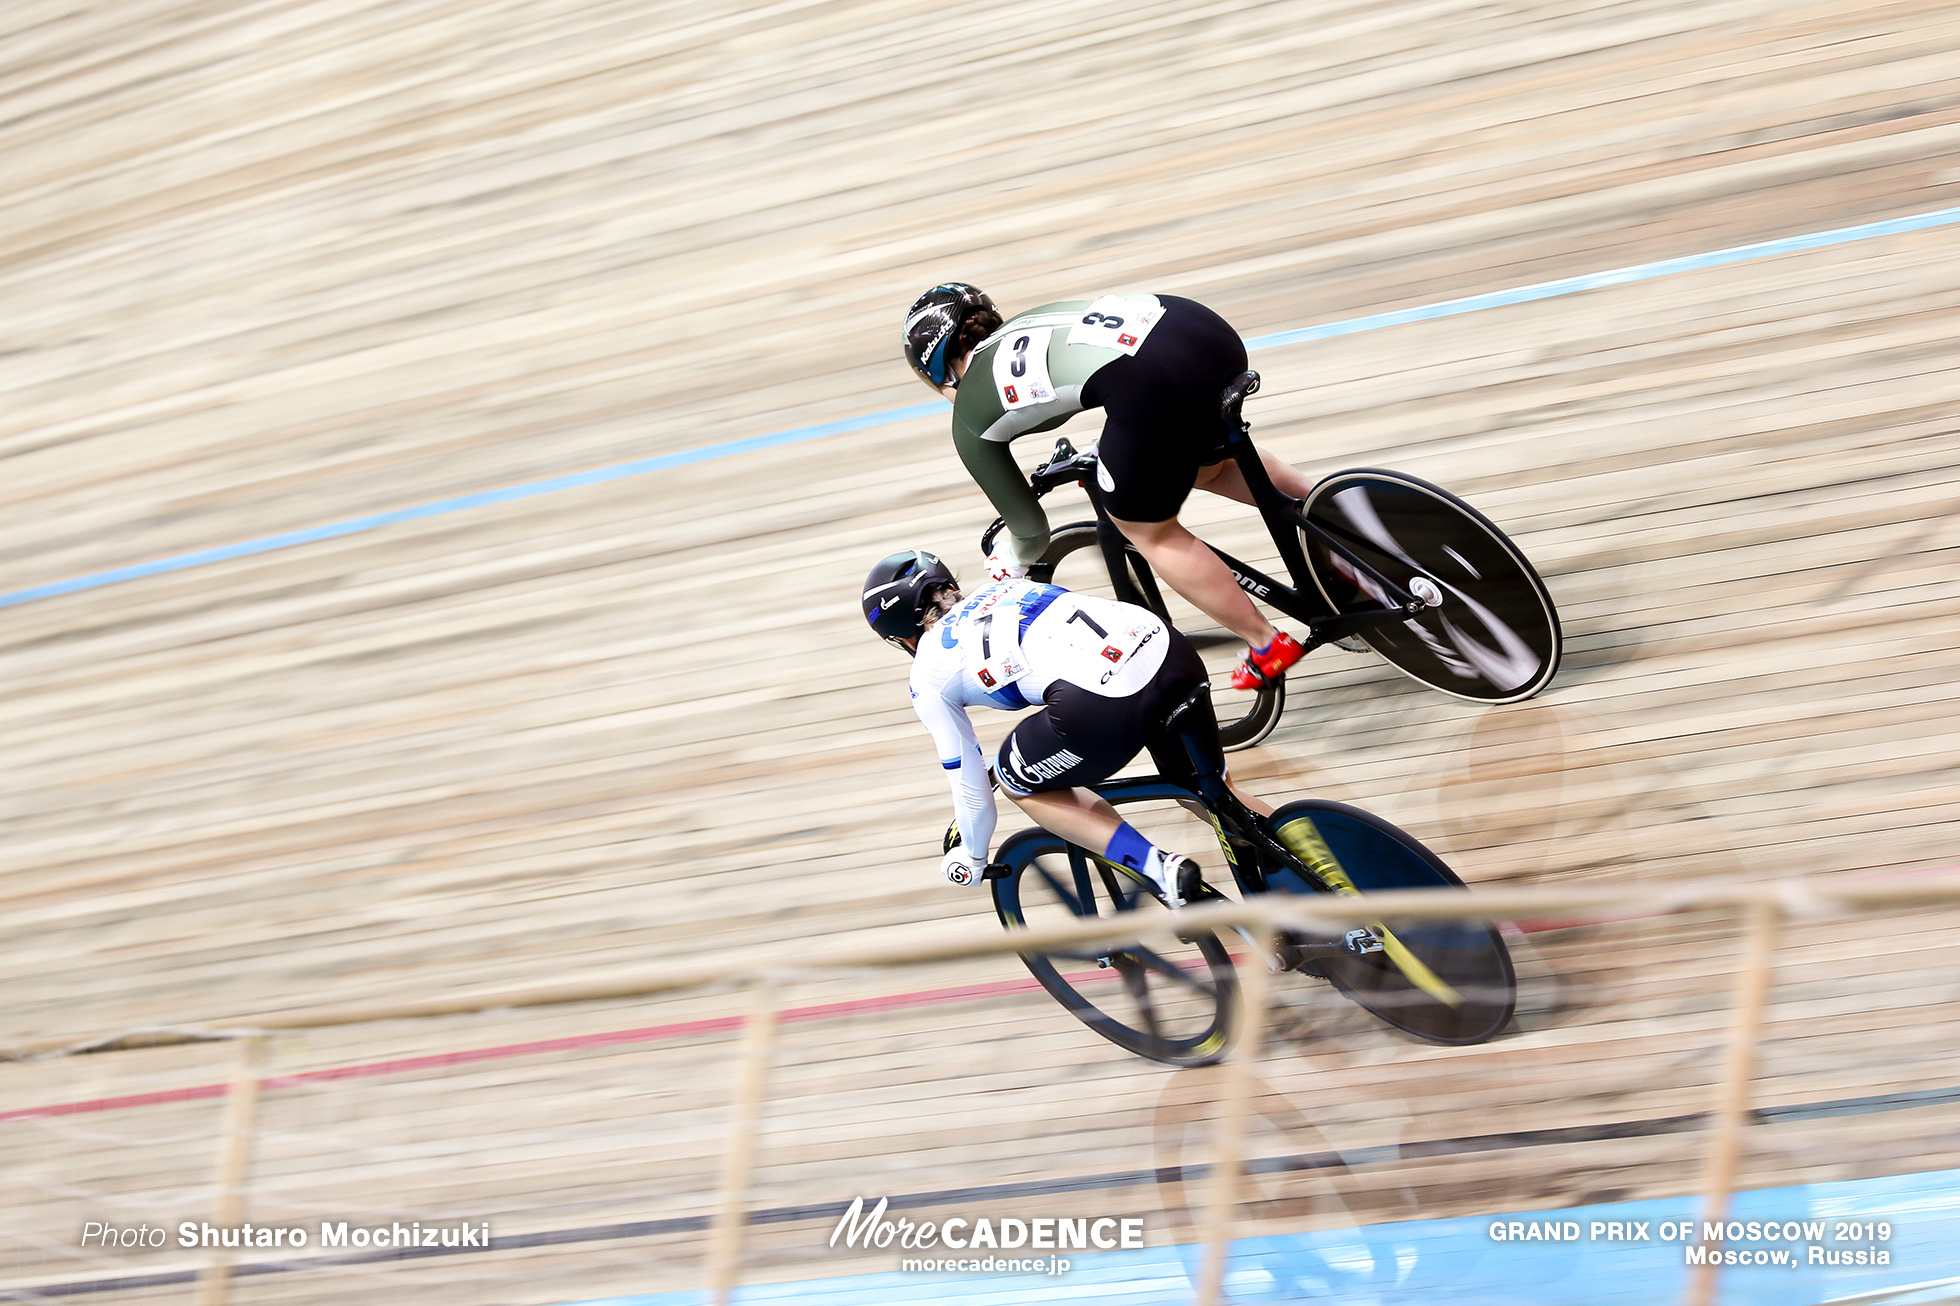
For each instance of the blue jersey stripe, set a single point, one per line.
(1031, 610)
(1009, 697)
(953, 765)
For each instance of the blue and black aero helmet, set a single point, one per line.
(898, 591)
(943, 324)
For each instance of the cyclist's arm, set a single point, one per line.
(966, 771)
(991, 464)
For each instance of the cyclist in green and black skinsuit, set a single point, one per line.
(1156, 365)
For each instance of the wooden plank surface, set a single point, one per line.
(270, 266)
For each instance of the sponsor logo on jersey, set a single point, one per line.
(986, 677)
(1126, 340)
(1012, 396)
(1113, 653)
(1108, 675)
(983, 602)
(1026, 774)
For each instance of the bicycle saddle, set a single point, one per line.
(1245, 383)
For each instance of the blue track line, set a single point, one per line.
(462, 502)
(1456, 1261)
(1666, 267)
(796, 435)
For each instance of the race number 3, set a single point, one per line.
(1119, 322)
(1021, 367)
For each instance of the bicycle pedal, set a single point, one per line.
(1104, 962)
(1361, 942)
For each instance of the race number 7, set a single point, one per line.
(1089, 621)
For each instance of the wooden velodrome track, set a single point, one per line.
(275, 264)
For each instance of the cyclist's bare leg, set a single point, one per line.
(1078, 815)
(1253, 801)
(1194, 571)
(1225, 478)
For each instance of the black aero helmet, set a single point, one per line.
(932, 328)
(897, 592)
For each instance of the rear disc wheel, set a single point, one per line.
(1448, 982)
(1492, 634)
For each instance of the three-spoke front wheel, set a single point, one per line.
(1171, 1001)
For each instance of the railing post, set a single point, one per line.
(752, 1078)
(234, 1157)
(1732, 1108)
(1228, 1134)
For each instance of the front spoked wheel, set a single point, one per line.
(1442, 981)
(1492, 635)
(1171, 1002)
(1075, 562)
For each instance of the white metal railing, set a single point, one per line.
(1764, 908)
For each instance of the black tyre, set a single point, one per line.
(1493, 638)
(1467, 958)
(1171, 1003)
(1075, 561)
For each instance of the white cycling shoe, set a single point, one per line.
(1177, 877)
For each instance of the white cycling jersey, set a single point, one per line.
(1003, 646)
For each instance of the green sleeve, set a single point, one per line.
(991, 464)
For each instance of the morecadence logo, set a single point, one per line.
(871, 1230)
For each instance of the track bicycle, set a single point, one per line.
(1448, 982)
(1379, 557)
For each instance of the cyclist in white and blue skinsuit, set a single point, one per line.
(1104, 674)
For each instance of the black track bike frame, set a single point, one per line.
(1240, 831)
(1285, 523)
(1242, 836)
(1248, 846)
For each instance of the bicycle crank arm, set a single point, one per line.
(1355, 943)
(1325, 630)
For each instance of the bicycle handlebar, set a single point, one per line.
(1064, 467)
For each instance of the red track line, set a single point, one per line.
(654, 1033)
(117, 1103)
(1540, 926)
(645, 1034)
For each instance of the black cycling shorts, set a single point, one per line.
(1161, 403)
(1082, 738)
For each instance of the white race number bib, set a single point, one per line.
(1003, 670)
(1021, 368)
(1117, 322)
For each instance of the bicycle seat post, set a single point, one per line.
(1201, 746)
(1273, 506)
